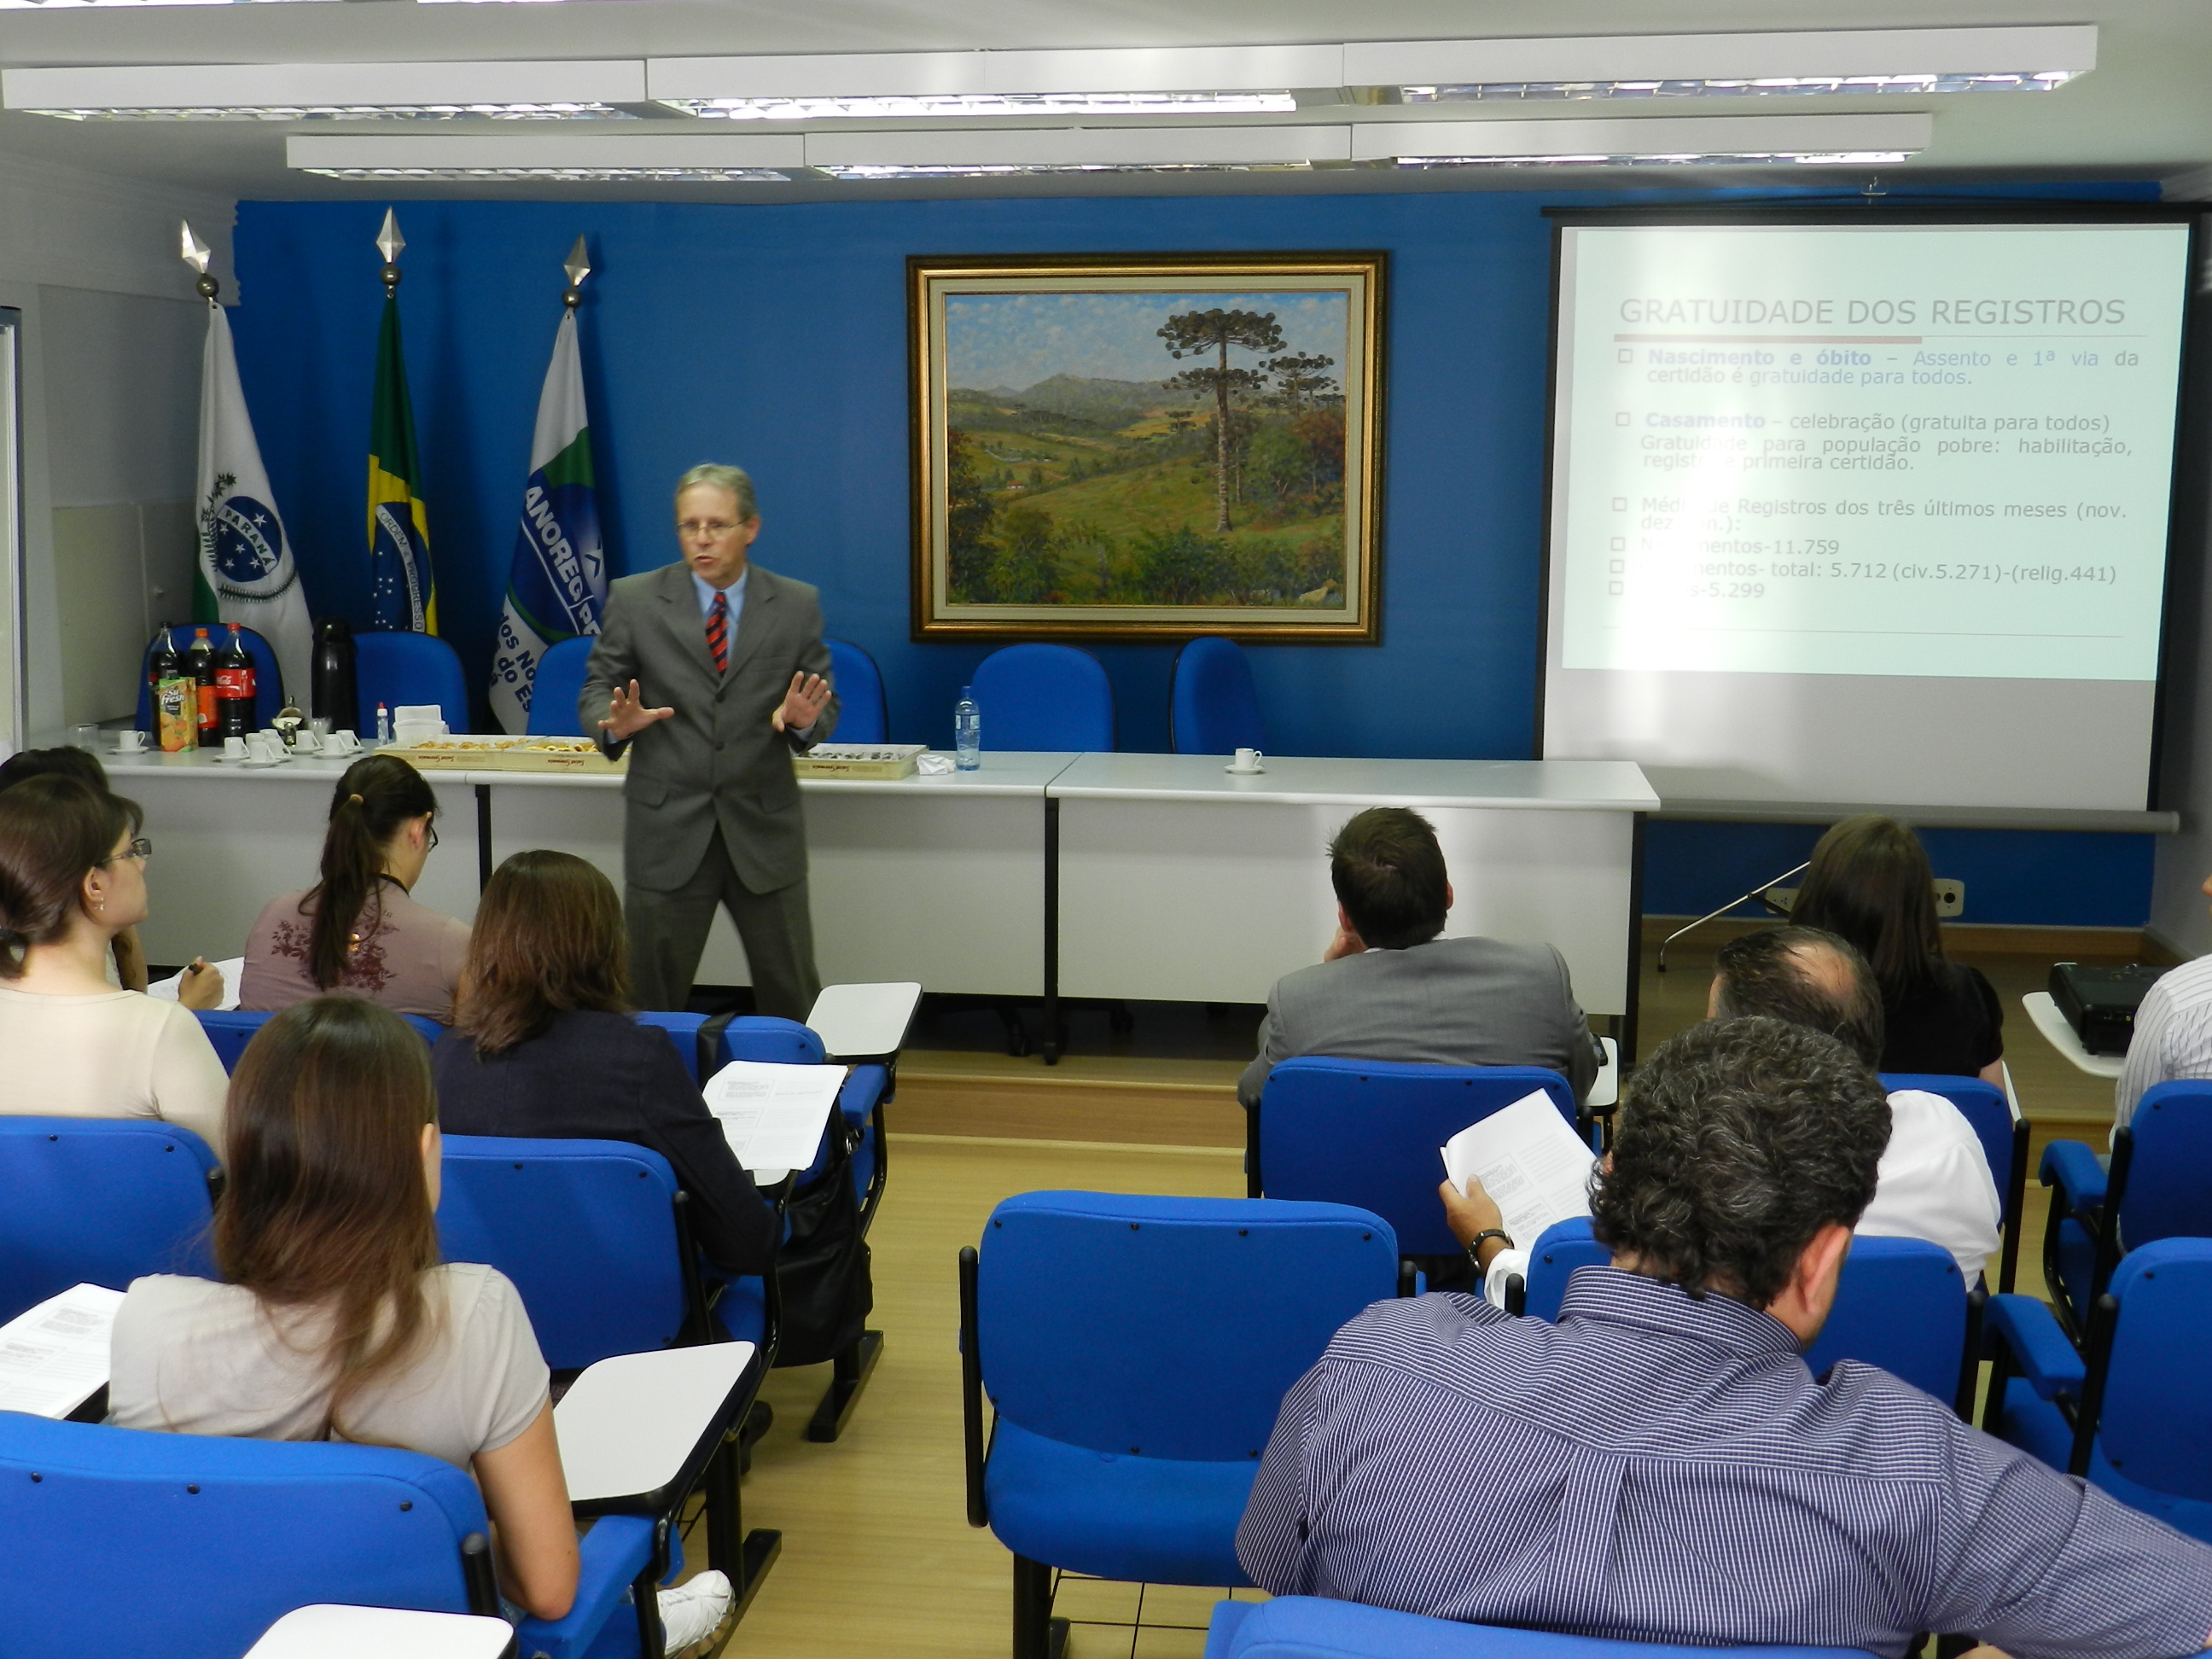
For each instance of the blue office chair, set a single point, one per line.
(401, 668)
(1044, 697)
(554, 690)
(2158, 1185)
(1366, 1132)
(229, 1030)
(1136, 1351)
(2130, 1414)
(1213, 708)
(1901, 1305)
(860, 685)
(102, 1201)
(211, 1539)
(1311, 1627)
(268, 677)
(2003, 1135)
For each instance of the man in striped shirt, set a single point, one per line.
(2172, 1035)
(1660, 1465)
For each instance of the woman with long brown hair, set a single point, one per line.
(338, 1321)
(1870, 882)
(543, 1045)
(73, 879)
(358, 929)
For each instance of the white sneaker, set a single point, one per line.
(691, 1612)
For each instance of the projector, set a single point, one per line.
(2100, 1003)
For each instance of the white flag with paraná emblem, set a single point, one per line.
(246, 574)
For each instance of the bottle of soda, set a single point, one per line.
(233, 688)
(199, 663)
(161, 664)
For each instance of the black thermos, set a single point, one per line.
(332, 682)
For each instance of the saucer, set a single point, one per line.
(1245, 771)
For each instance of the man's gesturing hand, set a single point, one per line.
(627, 715)
(803, 703)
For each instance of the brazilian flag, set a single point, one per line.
(405, 591)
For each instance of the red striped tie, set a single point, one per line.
(717, 632)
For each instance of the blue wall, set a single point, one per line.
(774, 336)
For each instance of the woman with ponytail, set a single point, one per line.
(356, 930)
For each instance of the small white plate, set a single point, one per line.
(1245, 771)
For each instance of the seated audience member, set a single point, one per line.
(72, 876)
(1871, 883)
(543, 1045)
(1389, 987)
(2173, 1039)
(126, 970)
(356, 930)
(338, 1322)
(1660, 1466)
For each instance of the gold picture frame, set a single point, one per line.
(1147, 447)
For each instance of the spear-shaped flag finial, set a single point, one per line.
(578, 267)
(197, 254)
(389, 242)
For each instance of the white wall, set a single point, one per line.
(110, 410)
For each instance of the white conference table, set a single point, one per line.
(1116, 876)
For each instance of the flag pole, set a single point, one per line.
(389, 242)
(195, 253)
(577, 267)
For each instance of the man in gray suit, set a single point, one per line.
(1389, 987)
(734, 653)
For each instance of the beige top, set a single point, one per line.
(193, 1357)
(119, 1055)
(406, 956)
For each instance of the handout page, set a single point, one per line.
(1534, 1167)
(772, 1115)
(233, 969)
(53, 1357)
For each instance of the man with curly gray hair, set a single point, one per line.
(1660, 1465)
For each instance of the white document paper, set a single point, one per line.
(772, 1116)
(232, 969)
(53, 1358)
(1535, 1169)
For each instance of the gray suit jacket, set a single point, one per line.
(718, 761)
(1449, 1002)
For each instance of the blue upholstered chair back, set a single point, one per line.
(2156, 1427)
(1309, 1627)
(682, 1031)
(862, 717)
(1044, 697)
(268, 677)
(1366, 1132)
(771, 1041)
(586, 1229)
(208, 1542)
(1166, 1327)
(1901, 1304)
(100, 1202)
(231, 1029)
(1213, 708)
(1982, 1104)
(2169, 1193)
(404, 668)
(554, 690)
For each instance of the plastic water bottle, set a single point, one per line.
(968, 730)
(383, 725)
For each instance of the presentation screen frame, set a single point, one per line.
(2185, 473)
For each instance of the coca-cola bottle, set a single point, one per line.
(199, 663)
(161, 664)
(233, 688)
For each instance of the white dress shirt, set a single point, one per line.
(1933, 1183)
(2172, 1038)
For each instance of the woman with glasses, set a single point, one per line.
(356, 930)
(72, 876)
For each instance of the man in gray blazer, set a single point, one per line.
(1389, 987)
(733, 655)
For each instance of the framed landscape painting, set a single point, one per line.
(1147, 447)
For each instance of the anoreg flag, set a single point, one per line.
(556, 586)
(403, 591)
(245, 573)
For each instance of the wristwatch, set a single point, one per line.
(1474, 1244)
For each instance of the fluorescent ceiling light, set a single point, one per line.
(963, 105)
(281, 92)
(1080, 149)
(1866, 140)
(715, 158)
(73, 5)
(1850, 62)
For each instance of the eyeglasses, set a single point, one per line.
(709, 527)
(139, 848)
(433, 847)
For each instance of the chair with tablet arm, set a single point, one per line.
(2158, 1185)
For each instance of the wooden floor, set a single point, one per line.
(877, 1557)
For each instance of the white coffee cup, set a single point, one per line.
(266, 746)
(1248, 760)
(304, 742)
(341, 742)
(130, 741)
(234, 749)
